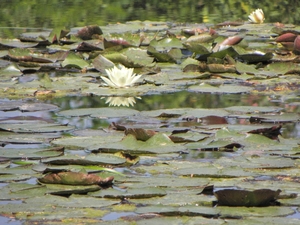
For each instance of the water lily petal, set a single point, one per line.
(108, 82)
(120, 76)
(135, 79)
(257, 16)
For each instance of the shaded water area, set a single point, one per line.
(183, 145)
(48, 15)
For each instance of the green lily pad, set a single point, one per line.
(223, 89)
(100, 112)
(27, 138)
(21, 191)
(234, 197)
(90, 142)
(265, 162)
(146, 192)
(73, 60)
(22, 54)
(166, 43)
(31, 153)
(99, 159)
(253, 109)
(167, 181)
(212, 171)
(265, 220)
(137, 57)
(13, 178)
(226, 211)
(179, 220)
(184, 210)
(10, 71)
(34, 127)
(74, 201)
(157, 144)
(17, 43)
(62, 214)
(283, 67)
(244, 68)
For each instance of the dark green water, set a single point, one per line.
(73, 13)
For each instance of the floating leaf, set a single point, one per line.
(184, 210)
(88, 32)
(73, 60)
(140, 134)
(100, 159)
(34, 127)
(157, 144)
(17, 43)
(272, 132)
(31, 153)
(146, 192)
(229, 89)
(130, 159)
(234, 197)
(21, 54)
(100, 112)
(75, 178)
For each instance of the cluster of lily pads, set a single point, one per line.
(158, 166)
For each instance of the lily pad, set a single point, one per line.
(234, 197)
(223, 89)
(73, 60)
(184, 210)
(226, 211)
(31, 153)
(157, 144)
(34, 127)
(90, 142)
(99, 159)
(147, 192)
(100, 112)
(211, 171)
(75, 178)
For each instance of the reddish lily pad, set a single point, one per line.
(75, 178)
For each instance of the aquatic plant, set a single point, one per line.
(120, 76)
(257, 16)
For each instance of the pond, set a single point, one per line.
(209, 133)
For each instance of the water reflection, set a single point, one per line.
(174, 100)
(70, 13)
(120, 101)
(182, 99)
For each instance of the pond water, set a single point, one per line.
(68, 13)
(230, 124)
(182, 99)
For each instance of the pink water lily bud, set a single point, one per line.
(287, 37)
(297, 45)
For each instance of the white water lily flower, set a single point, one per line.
(120, 76)
(257, 16)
